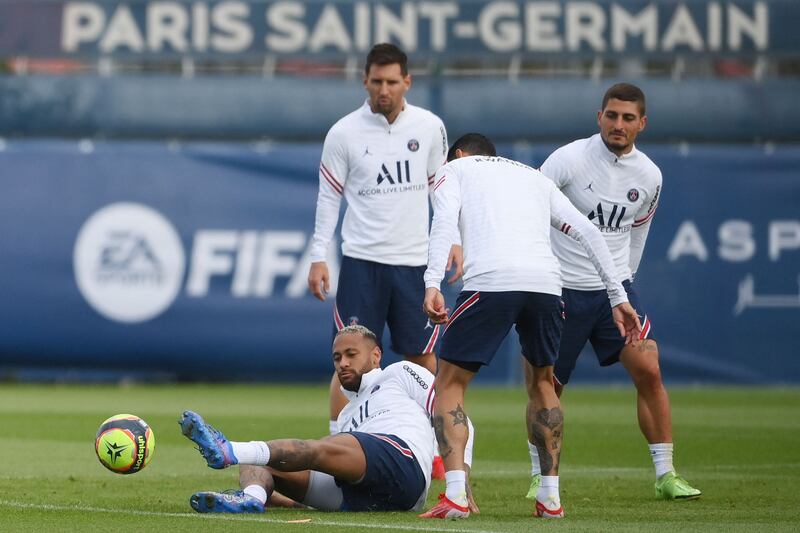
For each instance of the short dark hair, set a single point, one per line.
(358, 329)
(473, 143)
(387, 54)
(627, 92)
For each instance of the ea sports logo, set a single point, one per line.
(128, 262)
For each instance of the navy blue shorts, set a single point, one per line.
(589, 319)
(394, 480)
(373, 294)
(482, 320)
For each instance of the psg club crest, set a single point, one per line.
(413, 145)
(633, 195)
(353, 321)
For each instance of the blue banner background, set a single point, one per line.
(723, 210)
(231, 28)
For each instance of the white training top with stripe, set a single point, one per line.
(503, 211)
(618, 194)
(398, 400)
(383, 171)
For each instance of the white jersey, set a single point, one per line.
(618, 194)
(397, 400)
(503, 211)
(384, 172)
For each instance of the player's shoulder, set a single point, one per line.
(573, 150)
(422, 115)
(416, 372)
(347, 123)
(648, 168)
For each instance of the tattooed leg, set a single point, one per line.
(545, 420)
(449, 418)
(339, 455)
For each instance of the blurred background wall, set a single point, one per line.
(159, 169)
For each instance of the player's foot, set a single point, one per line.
(211, 443)
(551, 509)
(446, 509)
(671, 486)
(437, 472)
(230, 501)
(536, 480)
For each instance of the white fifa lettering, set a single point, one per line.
(212, 254)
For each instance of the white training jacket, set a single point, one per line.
(503, 211)
(383, 171)
(618, 194)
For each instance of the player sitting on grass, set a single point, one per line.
(381, 460)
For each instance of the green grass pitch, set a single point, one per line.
(741, 446)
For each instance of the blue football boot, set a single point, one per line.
(211, 443)
(230, 501)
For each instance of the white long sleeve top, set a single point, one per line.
(503, 211)
(384, 172)
(618, 194)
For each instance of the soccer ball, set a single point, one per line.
(124, 444)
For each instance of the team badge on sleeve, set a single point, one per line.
(633, 195)
(413, 145)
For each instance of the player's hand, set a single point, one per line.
(473, 507)
(433, 306)
(319, 280)
(627, 322)
(455, 261)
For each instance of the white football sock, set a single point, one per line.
(548, 490)
(333, 427)
(662, 458)
(456, 490)
(257, 492)
(535, 466)
(255, 452)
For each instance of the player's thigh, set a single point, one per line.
(394, 480)
(539, 325)
(477, 327)
(341, 456)
(412, 332)
(362, 296)
(580, 317)
(605, 338)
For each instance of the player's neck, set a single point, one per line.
(390, 116)
(619, 152)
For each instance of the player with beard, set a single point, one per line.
(379, 460)
(617, 187)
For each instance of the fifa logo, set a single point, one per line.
(385, 175)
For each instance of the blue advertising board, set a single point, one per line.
(236, 28)
(191, 260)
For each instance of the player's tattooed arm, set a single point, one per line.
(545, 428)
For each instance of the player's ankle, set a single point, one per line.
(456, 490)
